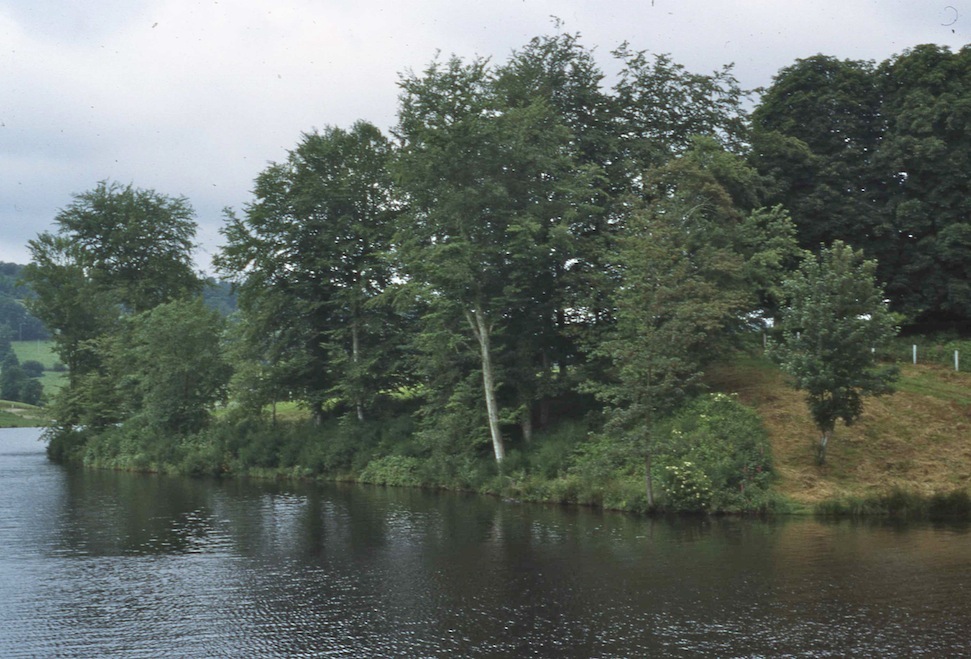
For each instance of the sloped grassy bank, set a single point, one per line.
(745, 447)
(908, 456)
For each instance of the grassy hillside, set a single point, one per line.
(19, 415)
(43, 352)
(918, 439)
(40, 351)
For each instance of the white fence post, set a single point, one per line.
(915, 353)
(956, 362)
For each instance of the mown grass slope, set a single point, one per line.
(43, 352)
(20, 415)
(917, 440)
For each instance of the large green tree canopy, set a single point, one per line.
(876, 156)
(311, 254)
(117, 251)
(491, 185)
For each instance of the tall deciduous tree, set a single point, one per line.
(171, 368)
(12, 377)
(560, 72)
(488, 185)
(311, 255)
(117, 250)
(75, 307)
(817, 129)
(874, 155)
(925, 155)
(135, 242)
(834, 317)
(662, 107)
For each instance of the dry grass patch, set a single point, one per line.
(916, 439)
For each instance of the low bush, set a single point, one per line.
(32, 368)
(686, 487)
(721, 439)
(400, 470)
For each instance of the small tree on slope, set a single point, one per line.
(834, 317)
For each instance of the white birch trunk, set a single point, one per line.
(355, 359)
(649, 481)
(482, 332)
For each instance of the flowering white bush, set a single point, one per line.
(686, 487)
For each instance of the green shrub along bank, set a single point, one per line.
(713, 456)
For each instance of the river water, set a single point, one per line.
(100, 563)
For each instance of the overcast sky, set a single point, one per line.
(195, 98)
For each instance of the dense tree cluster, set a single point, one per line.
(115, 285)
(877, 155)
(513, 241)
(529, 244)
(18, 382)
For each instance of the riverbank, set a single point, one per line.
(911, 446)
(907, 456)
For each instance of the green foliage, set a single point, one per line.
(17, 382)
(135, 242)
(336, 448)
(398, 470)
(817, 128)
(10, 283)
(311, 258)
(12, 377)
(21, 324)
(686, 487)
(66, 445)
(549, 453)
(658, 105)
(32, 368)
(726, 442)
(6, 345)
(873, 155)
(834, 319)
(32, 392)
(530, 245)
(70, 303)
(117, 251)
(484, 242)
(605, 456)
(693, 266)
(171, 366)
